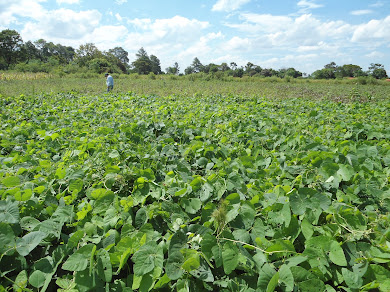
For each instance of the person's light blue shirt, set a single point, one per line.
(110, 81)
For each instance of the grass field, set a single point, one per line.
(274, 88)
(180, 185)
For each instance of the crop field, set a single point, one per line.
(214, 188)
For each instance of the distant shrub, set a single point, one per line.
(362, 80)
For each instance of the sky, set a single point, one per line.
(303, 34)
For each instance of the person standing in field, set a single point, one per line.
(109, 82)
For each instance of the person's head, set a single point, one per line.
(105, 75)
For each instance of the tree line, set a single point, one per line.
(43, 56)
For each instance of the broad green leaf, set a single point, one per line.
(298, 203)
(23, 195)
(75, 238)
(286, 278)
(207, 243)
(39, 190)
(203, 273)
(37, 279)
(182, 286)
(11, 181)
(104, 267)
(286, 214)
(20, 281)
(380, 273)
(295, 260)
(149, 256)
(273, 283)
(191, 263)
(79, 260)
(7, 238)
(76, 262)
(217, 254)
(86, 281)
(353, 280)
(66, 284)
(311, 285)
(300, 274)
(28, 242)
(141, 217)
(9, 212)
(164, 280)
(178, 241)
(100, 193)
(336, 254)
(173, 266)
(146, 284)
(60, 173)
(247, 213)
(191, 206)
(76, 186)
(346, 172)
(281, 246)
(385, 285)
(307, 229)
(229, 257)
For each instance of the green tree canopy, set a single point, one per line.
(377, 71)
(156, 67)
(11, 45)
(143, 64)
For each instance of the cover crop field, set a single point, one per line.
(199, 192)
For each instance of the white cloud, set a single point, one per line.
(11, 10)
(305, 30)
(307, 5)
(375, 54)
(177, 29)
(63, 24)
(118, 17)
(361, 12)
(373, 31)
(229, 5)
(120, 2)
(68, 1)
(377, 4)
(176, 39)
(107, 37)
(238, 44)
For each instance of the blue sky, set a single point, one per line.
(304, 34)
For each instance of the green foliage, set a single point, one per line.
(194, 192)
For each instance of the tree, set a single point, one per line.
(121, 54)
(156, 67)
(331, 65)
(291, 72)
(86, 53)
(30, 51)
(224, 67)
(142, 65)
(119, 57)
(99, 65)
(210, 68)
(197, 65)
(238, 72)
(248, 67)
(233, 66)
(11, 44)
(377, 71)
(43, 52)
(189, 70)
(266, 72)
(173, 70)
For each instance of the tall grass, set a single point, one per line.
(14, 84)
